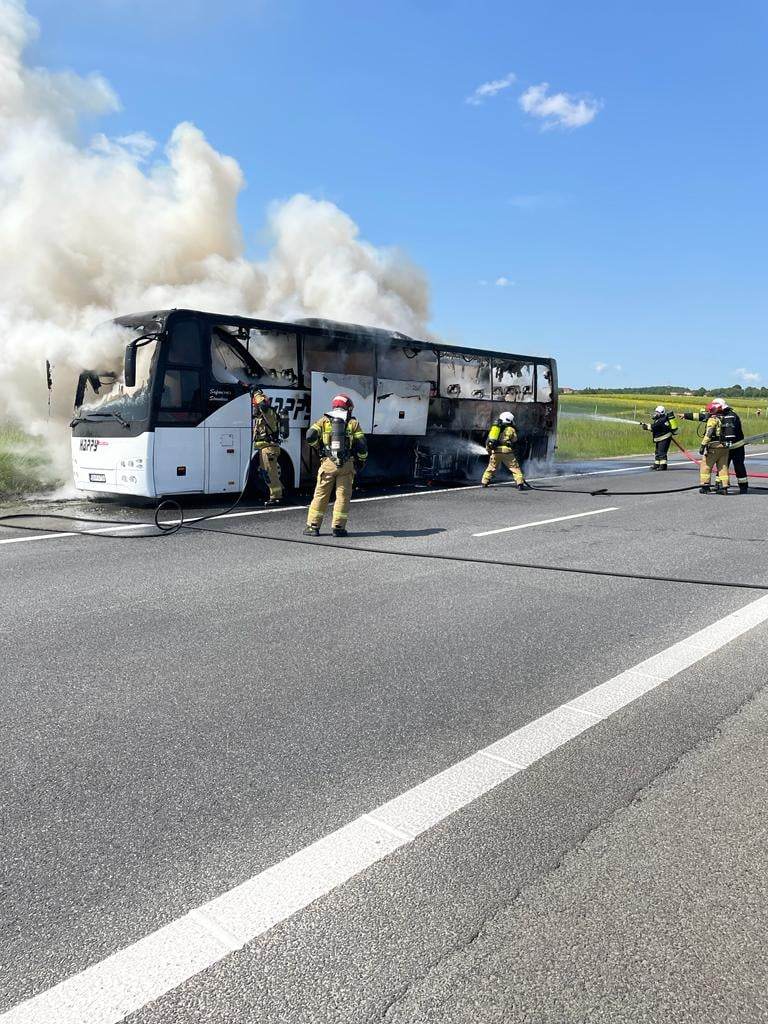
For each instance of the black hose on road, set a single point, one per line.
(164, 529)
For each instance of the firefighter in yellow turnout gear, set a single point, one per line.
(267, 434)
(342, 445)
(501, 447)
(714, 452)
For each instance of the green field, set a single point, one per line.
(582, 436)
(24, 465)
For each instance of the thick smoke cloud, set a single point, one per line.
(92, 231)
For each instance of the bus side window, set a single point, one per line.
(352, 356)
(464, 376)
(228, 361)
(401, 362)
(186, 343)
(277, 353)
(512, 381)
(180, 401)
(543, 383)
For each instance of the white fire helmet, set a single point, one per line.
(720, 402)
(507, 417)
(659, 410)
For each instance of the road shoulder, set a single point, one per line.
(660, 915)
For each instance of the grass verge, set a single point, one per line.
(24, 463)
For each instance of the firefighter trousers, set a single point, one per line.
(268, 456)
(501, 458)
(662, 449)
(329, 474)
(714, 458)
(736, 459)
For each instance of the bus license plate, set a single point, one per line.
(97, 478)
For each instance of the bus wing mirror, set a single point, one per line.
(80, 389)
(129, 375)
(86, 377)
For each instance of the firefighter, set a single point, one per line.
(343, 449)
(714, 450)
(267, 434)
(500, 445)
(663, 427)
(733, 437)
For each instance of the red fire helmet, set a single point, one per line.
(342, 402)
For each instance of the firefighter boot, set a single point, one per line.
(340, 531)
(524, 486)
(704, 489)
(720, 489)
(311, 531)
(743, 488)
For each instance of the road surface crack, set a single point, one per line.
(574, 849)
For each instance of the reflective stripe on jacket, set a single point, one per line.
(500, 437)
(266, 428)
(661, 428)
(320, 433)
(713, 434)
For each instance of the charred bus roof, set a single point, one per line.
(155, 321)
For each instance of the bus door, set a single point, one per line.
(179, 449)
(359, 388)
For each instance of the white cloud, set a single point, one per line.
(560, 110)
(602, 367)
(489, 89)
(503, 282)
(747, 376)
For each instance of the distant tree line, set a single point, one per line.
(733, 391)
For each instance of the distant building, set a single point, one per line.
(567, 391)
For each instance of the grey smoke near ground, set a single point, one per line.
(92, 231)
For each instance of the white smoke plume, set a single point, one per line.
(90, 231)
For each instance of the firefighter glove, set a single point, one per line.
(703, 450)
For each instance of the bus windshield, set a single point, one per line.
(113, 398)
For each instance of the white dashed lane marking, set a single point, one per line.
(545, 522)
(132, 977)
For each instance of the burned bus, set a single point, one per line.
(175, 417)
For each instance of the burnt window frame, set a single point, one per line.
(467, 355)
(305, 376)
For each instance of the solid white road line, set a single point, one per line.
(545, 522)
(130, 978)
(302, 508)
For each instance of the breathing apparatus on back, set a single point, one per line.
(338, 448)
(661, 413)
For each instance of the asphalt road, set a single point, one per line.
(183, 713)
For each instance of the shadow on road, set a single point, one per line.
(398, 533)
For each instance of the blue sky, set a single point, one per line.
(635, 242)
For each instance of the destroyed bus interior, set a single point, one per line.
(175, 405)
